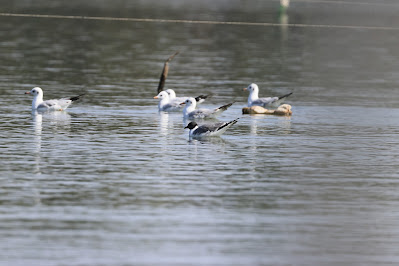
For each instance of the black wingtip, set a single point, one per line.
(224, 107)
(284, 96)
(77, 97)
(202, 97)
(232, 122)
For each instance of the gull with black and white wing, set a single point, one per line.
(190, 112)
(209, 130)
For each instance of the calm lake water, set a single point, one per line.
(111, 181)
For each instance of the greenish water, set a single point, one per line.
(113, 182)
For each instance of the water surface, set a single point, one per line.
(111, 181)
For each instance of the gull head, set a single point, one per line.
(171, 93)
(162, 95)
(191, 125)
(190, 102)
(252, 87)
(35, 91)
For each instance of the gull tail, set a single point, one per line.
(221, 109)
(76, 97)
(225, 126)
(224, 107)
(284, 96)
(201, 98)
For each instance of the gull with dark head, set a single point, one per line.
(253, 98)
(190, 112)
(50, 105)
(208, 130)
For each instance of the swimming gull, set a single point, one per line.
(165, 104)
(49, 105)
(190, 112)
(208, 130)
(253, 98)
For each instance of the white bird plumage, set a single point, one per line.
(168, 101)
(165, 104)
(209, 130)
(253, 98)
(190, 112)
(49, 105)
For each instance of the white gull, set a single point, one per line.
(253, 98)
(165, 104)
(208, 130)
(190, 112)
(49, 105)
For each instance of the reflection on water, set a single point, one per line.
(218, 140)
(54, 122)
(164, 123)
(37, 120)
(114, 182)
(280, 124)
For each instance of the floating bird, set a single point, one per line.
(253, 98)
(209, 130)
(49, 105)
(190, 112)
(165, 104)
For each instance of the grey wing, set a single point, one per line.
(202, 113)
(265, 101)
(48, 104)
(196, 113)
(171, 107)
(208, 128)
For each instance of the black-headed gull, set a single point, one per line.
(165, 104)
(208, 130)
(190, 112)
(49, 105)
(253, 98)
(173, 98)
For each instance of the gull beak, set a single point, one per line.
(155, 97)
(182, 103)
(28, 92)
(244, 89)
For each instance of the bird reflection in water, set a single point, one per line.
(164, 123)
(53, 121)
